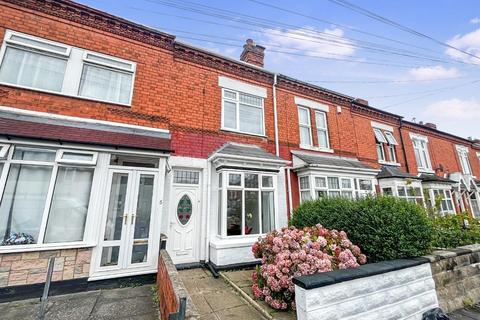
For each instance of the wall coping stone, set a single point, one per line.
(327, 278)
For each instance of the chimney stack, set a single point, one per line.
(431, 125)
(252, 53)
(362, 101)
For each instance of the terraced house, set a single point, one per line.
(112, 134)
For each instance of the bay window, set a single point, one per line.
(246, 203)
(444, 198)
(420, 148)
(408, 189)
(409, 193)
(42, 200)
(242, 112)
(333, 186)
(44, 65)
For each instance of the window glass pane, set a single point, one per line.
(267, 181)
(111, 62)
(390, 138)
(365, 185)
(251, 180)
(418, 158)
(234, 179)
(230, 95)
(347, 194)
(379, 136)
(219, 217)
(320, 182)
(32, 69)
(234, 212)
(380, 152)
(133, 161)
(105, 84)
(320, 120)
(334, 194)
(23, 203)
(220, 180)
(184, 209)
(322, 139)
(248, 99)
(391, 150)
(387, 191)
(305, 196)
(31, 154)
(321, 193)
(401, 192)
(251, 119)
(305, 136)
(109, 256)
(346, 184)
(68, 211)
(139, 253)
(333, 183)
(229, 115)
(304, 183)
(268, 211)
(77, 156)
(116, 207)
(252, 219)
(186, 177)
(144, 207)
(303, 116)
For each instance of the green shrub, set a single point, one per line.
(385, 228)
(449, 231)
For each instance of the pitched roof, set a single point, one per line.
(394, 172)
(434, 178)
(333, 161)
(246, 150)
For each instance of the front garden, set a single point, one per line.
(336, 233)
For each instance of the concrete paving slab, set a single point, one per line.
(107, 309)
(202, 306)
(224, 300)
(242, 312)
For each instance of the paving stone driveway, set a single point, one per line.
(215, 299)
(134, 303)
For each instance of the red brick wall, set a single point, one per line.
(167, 299)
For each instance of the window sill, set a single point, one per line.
(44, 247)
(396, 164)
(219, 242)
(312, 148)
(16, 86)
(241, 132)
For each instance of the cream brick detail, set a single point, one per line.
(30, 255)
(11, 257)
(36, 278)
(29, 264)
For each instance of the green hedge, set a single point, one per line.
(385, 228)
(450, 232)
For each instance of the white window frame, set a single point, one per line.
(59, 157)
(4, 150)
(443, 192)
(323, 129)
(76, 59)
(385, 139)
(420, 144)
(394, 184)
(40, 245)
(225, 187)
(237, 110)
(305, 125)
(463, 156)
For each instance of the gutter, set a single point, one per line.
(275, 115)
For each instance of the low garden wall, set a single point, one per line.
(403, 288)
(171, 288)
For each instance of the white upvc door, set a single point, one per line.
(128, 221)
(184, 214)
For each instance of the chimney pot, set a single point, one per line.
(253, 53)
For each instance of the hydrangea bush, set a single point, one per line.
(292, 252)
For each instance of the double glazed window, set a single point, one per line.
(41, 64)
(45, 195)
(464, 161)
(385, 144)
(444, 196)
(420, 148)
(246, 203)
(305, 128)
(242, 112)
(314, 187)
(409, 193)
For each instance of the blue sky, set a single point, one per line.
(436, 85)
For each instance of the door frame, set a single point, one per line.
(197, 218)
(100, 273)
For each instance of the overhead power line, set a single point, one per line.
(384, 80)
(397, 25)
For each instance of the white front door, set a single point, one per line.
(183, 238)
(127, 224)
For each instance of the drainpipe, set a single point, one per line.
(403, 146)
(207, 211)
(290, 204)
(275, 117)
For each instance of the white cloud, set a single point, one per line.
(454, 109)
(469, 42)
(433, 73)
(475, 20)
(308, 42)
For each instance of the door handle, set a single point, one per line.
(125, 217)
(133, 218)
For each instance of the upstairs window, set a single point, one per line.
(305, 127)
(420, 148)
(36, 63)
(385, 145)
(464, 161)
(322, 129)
(242, 112)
